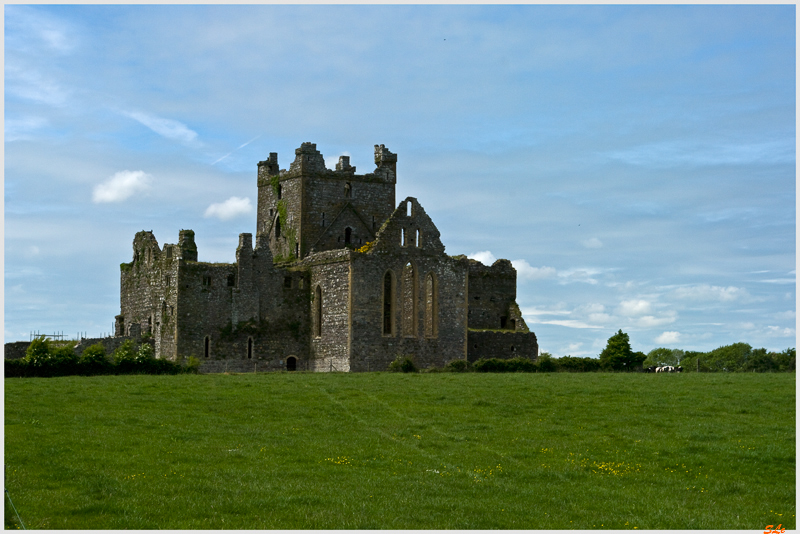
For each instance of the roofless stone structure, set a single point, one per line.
(339, 278)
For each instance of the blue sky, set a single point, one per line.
(636, 163)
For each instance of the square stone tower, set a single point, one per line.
(311, 208)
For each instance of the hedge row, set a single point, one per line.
(43, 359)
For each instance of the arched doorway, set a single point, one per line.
(291, 363)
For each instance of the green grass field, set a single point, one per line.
(402, 451)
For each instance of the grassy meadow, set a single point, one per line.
(402, 451)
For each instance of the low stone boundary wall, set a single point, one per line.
(15, 350)
(501, 344)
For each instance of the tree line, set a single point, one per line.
(735, 358)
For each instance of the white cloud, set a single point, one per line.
(650, 321)
(578, 275)
(592, 243)
(632, 308)
(600, 317)
(165, 127)
(708, 292)
(527, 272)
(485, 257)
(122, 186)
(668, 338)
(777, 331)
(233, 207)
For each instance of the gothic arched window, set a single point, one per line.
(409, 300)
(431, 307)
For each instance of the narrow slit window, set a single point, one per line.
(249, 348)
(318, 314)
(388, 300)
(348, 234)
(207, 348)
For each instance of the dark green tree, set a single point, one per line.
(618, 356)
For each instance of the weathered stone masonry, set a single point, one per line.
(338, 278)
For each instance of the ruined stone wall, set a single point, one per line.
(428, 318)
(502, 344)
(15, 350)
(248, 366)
(330, 330)
(204, 308)
(492, 296)
(148, 290)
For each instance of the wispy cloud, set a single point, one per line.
(677, 153)
(237, 148)
(592, 243)
(30, 28)
(580, 274)
(230, 209)
(705, 292)
(168, 128)
(22, 129)
(30, 84)
(122, 186)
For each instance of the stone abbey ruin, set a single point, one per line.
(339, 278)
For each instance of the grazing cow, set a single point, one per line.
(679, 369)
(665, 369)
(651, 369)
